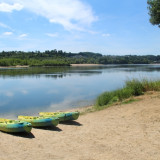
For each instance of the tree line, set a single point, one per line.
(60, 58)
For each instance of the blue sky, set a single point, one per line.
(104, 26)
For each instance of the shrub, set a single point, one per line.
(104, 98)
(132, 88)
(136, 86)
(124, 93)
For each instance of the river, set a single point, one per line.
(27, 91)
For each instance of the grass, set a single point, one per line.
(128, 101)
(132, 88)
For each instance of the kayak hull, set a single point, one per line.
(14, 126)
(63, 116)
(55, 120)
(38, 121)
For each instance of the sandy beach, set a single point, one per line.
(18, 66)
(121, 132)
(85, 65)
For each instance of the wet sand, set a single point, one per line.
(120, 132)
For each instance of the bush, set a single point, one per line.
(151, 85)
(136, 86)
(105, 98)
(124, 93)
(132, 88)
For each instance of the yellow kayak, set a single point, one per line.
(40, 121)
(63, 116)
(13, 126)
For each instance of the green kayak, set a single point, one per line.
(14, 126)
(63, 116)
(40, 121)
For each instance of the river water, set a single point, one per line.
(27, 91)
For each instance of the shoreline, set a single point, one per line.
(123, 131)
(75, 65)
(17, 66)
(81, 65)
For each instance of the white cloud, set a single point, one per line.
(6, 26)
(71, 14)
(93, 32)
(106, 35)
(5, 7)
(69, 101)
(23, 35)
(7, 33)
(24, 91)
(9, 94)
(3, 25)
(52, 34)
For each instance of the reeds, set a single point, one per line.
(133, 87)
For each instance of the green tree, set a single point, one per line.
(154, 11)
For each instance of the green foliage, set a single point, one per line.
(154, 11)
(130, 101)
(132, 88)
(105, 98)
(60, 58)
(124, 93)
(151, 85)
(114, 96)
(136, 86)
(32, 62)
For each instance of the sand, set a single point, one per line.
(18, 66)
(85, 65)
(121, 132)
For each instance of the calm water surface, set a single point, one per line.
(31, 90)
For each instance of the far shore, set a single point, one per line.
(72, 65)
(18, 66)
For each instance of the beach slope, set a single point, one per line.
(121, 132)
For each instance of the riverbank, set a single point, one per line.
(72, 65)
(85, 65)
(17, 66)
(128, 131)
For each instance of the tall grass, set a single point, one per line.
(133, 87)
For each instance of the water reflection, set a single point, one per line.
(49, 72)
(60, 72)
(31, 90)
